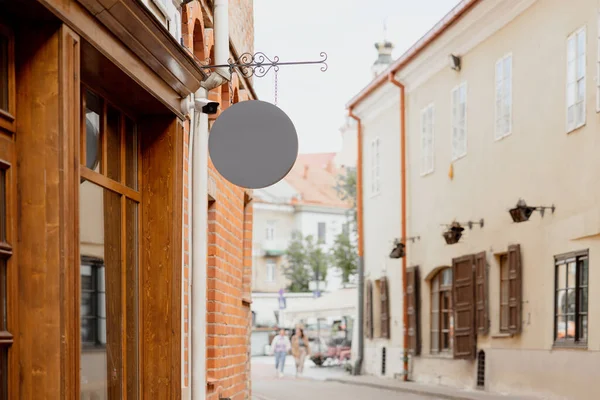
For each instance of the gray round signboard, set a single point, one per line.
(253, 144)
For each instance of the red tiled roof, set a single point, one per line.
(314, 176)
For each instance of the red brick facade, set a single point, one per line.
(229, 258)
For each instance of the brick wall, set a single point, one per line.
(229, 257)
(241, 25)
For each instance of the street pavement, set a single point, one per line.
(312, 385)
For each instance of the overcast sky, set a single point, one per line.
(347, 31)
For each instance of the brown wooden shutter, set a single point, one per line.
(482, 320)
(463, 290)
(514, 289)
(369, 311)
(412, 302)
(385, 308)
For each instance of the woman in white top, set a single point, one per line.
(281, 345)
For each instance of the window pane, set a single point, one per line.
(571, 94)
(581, 43)
(571, 71)
(447, 277)
(131, 154)
(93, 111)
(583, 300)
(101, 322)
(583, 272)
(580, 90)
(561, 281)
(503, 317)
(561, 302)
(507, 68)
(570, 327)
(571, 301)
(571, 274)
(581, 66)
(560, 328)
(580, 109)
(113, 144)
(583, 328)
(3, 73)
(571, 48)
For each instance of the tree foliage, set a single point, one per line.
(344, 256)
(346, 190)
(304, 258)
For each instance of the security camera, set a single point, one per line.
(207, 106)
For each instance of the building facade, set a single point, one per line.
(229, 225)
(94, 128)
(509, 307)
(305, 202)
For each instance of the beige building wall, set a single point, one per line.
(283, 222)
(382, 224)
(539, 161)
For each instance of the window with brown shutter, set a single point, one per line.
(442, 317)
(464, 307)
(385, 308)
(482, 321)
(514, 289)
(369, 311)
(412, 302)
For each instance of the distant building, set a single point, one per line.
(509, 308)
(305, 201)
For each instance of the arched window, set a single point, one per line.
(442, 319)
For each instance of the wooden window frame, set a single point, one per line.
(7, 117)
(440, 292)
(126, 193)
(565, 259)
(503, 266)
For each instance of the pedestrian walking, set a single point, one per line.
(281, 345)
(300, 349)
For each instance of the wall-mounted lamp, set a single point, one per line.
(521, 212)
(398, 250)
(455, 230)
(455, 62)
(399, 246)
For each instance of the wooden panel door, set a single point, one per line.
(464, 306)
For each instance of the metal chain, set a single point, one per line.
(231, 91)
(275, 86)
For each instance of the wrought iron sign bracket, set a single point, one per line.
(258, 64)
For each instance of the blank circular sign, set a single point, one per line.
(253, 144)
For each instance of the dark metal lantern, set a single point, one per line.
(522, 212)
(453, 235)
(398, 250)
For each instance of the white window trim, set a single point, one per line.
(583, 123)
(423, 111)
(597, 65)
(375, 150)
(270, 229)
(274, 265)
(497, 135)
(452, 105)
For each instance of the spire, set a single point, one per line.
(384, 53)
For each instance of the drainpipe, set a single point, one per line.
(361, 270)
(393, 80)
(199, 190)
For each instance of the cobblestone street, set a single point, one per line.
(312, 386)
